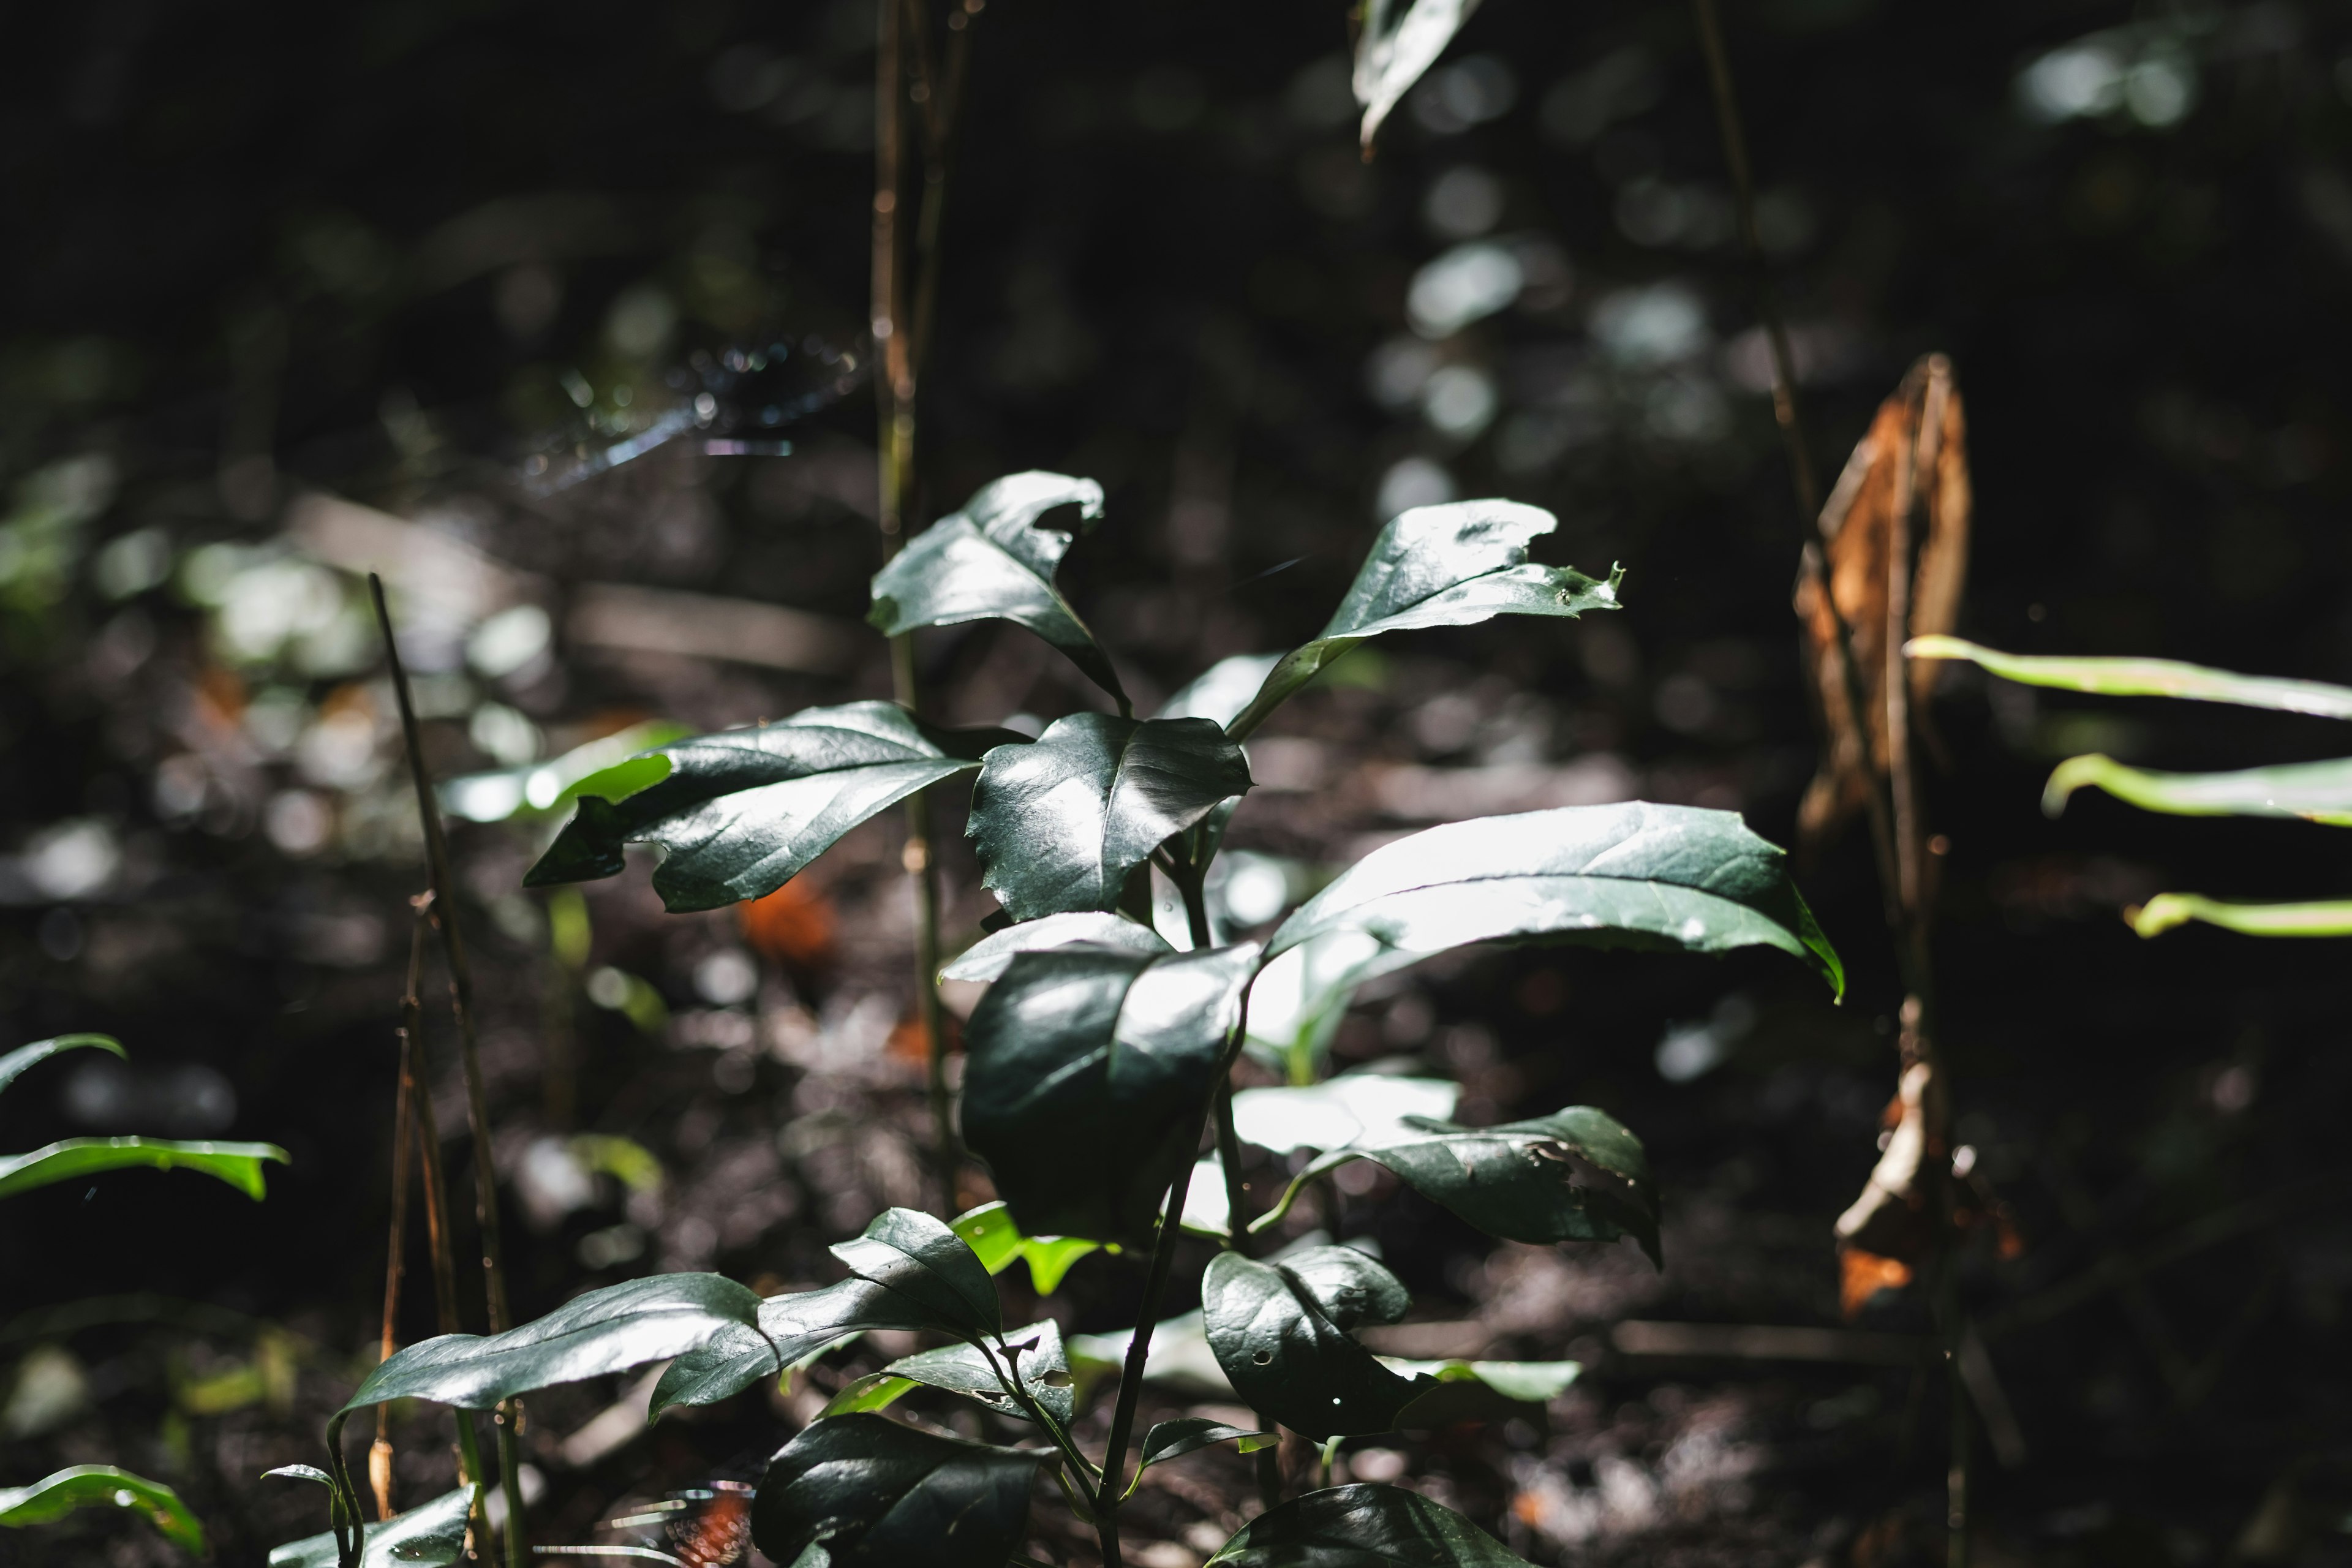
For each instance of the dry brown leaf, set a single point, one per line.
(1918, 442)
(1890, 1230)
(794, 925)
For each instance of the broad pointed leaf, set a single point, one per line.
(1044, 1372)
(1362, 1527)
(101, 1485)
(908, 1252)
(1059, 823)
(2316, 792)
(739, 813)
(13, 1064)
(1451, 565)
(615, 766)
(1087, 1072)
(1574, 1175)
(1222, 691)
(1190, 1434)
(986, 959)
(430, 1535)
(791, 1329)
(238, 1164)
(600, 1332)
(997, 1242)
(1354, 1108)
(993, 562)
(2146, 678)
(1401, 40)
(869, 1491)
(1633, 874)
(2166, 910)
(1279, 1331)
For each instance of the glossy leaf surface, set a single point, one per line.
(1451, 565)
(101, 1485)
(791, 1329)
(1279, 1331)
(238, 1164)
(1045, 1372)
(739, 813)
(875, 1492)
(919, 1258)
(1401, 39)
(986, 959)
(1059, 823)
(998, 1243)
(1362, 1527)
(2166, 910)
(1574, 1175)
(430, 1535)
(13, 1064)
(1631, 875)
(2314, 792)
(1222, 691)
(993, 562)
(1190, 1434)
(600, 1331)
(2146, 678)
(1087, 1071)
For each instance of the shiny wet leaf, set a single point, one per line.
(872, 1491)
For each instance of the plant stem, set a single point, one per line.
(1138, 1353)
(396, 1250)
(477, 1111)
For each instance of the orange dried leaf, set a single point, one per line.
(794, 925)
(1863, 1274)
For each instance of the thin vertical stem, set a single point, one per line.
(477, 1111)
(396, 1254)
(1139, 1355)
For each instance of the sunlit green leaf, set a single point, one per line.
(238, 1164)
(1362, 1527)
(101, 1485)
(985, 959)
(997, 1242)
(1087, 1072)
(1279, 1331)
(991, 560)
(1399, 40)
(1450, 565)
(1361, 1108)
(739, 813)
(13, 1064)
(2316, 792)
(2146, 678)
(1631, 875)
(1059, 823)
(1044, 1372)
(908, 1252)
(430, 1535)
(2166, 910)
(1574, 1175)
(791, 1329)
(538, 788)
(873, 1491)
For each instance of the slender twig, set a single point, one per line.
(477, 1111)
(396, 1248)
(1139, 1355)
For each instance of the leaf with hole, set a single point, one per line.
(1362, 1527)
(1399, 41)
(739, 813)
(1574, 1175)
(238, 1164)
(1044, 1369)
(101, 1485)
(1087, 1072)
(998, 1243)
(2314, 792)
(992, 561)
(868, 1489)
(430, 1535)
(1451, 565)
(986, 959)
(1060, 822)
(2146, 678)
(1633, 874)
(1280, 1330)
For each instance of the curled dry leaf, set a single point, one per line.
(1890, 1229)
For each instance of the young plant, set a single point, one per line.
(1100, 1054)
(72, 1159)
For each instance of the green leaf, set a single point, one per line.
(1222, 691)
(1362, 1527)
(12, 1064)
(1086, 1073)
(791, 1329)
(430, 1535)
(739, 813)
(993, 562)
(1633, 874)
(2316, 792)
(1401, 40)
(1190, 1434)
(917, 1256)
(1179, 1357)
(985, 960)
(1361, 1108)
(612, 765)
(996, 1241)
(1451, 565)
(1060, 822)
(1479, 1390)
(872, 1491)
(2146, 678)
(2166, 910)
(1044, 1370)
(599, 1331)
(1279, 1331)
(238, 1164)
(1574, 1175)
(96, 1486)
